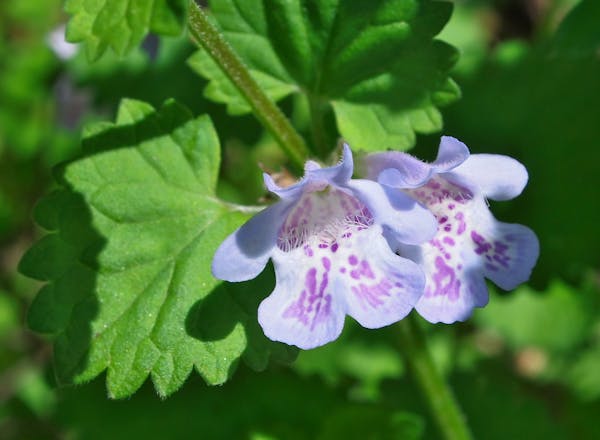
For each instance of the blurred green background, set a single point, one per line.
(526, 366)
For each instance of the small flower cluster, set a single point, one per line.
(409, 235)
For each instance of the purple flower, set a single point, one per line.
(328, 239)
(470, 243)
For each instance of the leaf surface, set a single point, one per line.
(374, 67)
(121, 24)
(133, 231)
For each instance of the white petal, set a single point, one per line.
(497, 177)
(513, 256)
(470, 244)
(303, 309)
(244, 254)
(408, 221)
(379, 287)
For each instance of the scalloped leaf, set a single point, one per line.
(121, 25)
(133, 231)
(374, 65)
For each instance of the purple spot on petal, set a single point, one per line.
(365, 270)
(297, 310)
(353, 260)
(491, 267)
(334, 247)
(445, 280)
(462, 226)
(502, 260)
(500, 247)
(481, 245)
(342, 269)
(326, 263)
(312, 306)
(308, 251)
(371, 296)
(324, 282)
(448, 240)
(311, 280)
(323, 246)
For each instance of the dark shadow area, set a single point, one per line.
(68, 260)
(159, 74)
(206, 321)
(497, 405)
(160, 122)
(277, 405)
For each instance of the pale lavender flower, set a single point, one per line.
(328, 239)
(470, 243)
(60, 46)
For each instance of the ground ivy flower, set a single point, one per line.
(470, 243)
(328, 239)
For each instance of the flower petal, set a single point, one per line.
(497, 177)
(452, 260)
(451, 153)
(337, 175)
(244, 254)
(378, 286)
(302, 310)
(514, 254)
(407, 220)
(451, 293)
(289, 192)
(470, 244)
(315, 178)
(504, 253)
(396, 169)
(311, 165)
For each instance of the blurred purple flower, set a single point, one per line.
(57, 41)
(328, 237)
(470, 243)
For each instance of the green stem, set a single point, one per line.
(317, 125)
(441, 401)
(208, 36)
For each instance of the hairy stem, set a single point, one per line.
(208, 36)
(441, 401)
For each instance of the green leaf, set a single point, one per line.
(579, 33)
(583, 377)
(135, 226)
(370, 422)
(557, 319)
(367, 364)
(220, 89)
(121, 25)
(375, 66)
(9, 316)
(517, 411)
